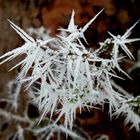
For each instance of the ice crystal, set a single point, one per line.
(70, 77)
(129, 111)
(123, 40)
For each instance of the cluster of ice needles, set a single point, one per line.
(68, 76)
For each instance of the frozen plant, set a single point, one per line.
(45, 131)
(69, 76)
(13, 94)
(19, 134)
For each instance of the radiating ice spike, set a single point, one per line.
(87, 25)
(23, 34)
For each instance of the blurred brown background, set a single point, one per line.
(117, 17)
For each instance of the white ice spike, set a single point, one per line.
(23, 34)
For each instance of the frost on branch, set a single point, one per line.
(70, 77)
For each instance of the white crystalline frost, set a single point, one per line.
(67, 74)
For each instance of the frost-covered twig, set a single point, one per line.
(69, 76)
(48, 132)
(19, 134)
(10, 116)
(14, 90)
(131, 110)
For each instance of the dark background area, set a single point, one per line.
(117, 17)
